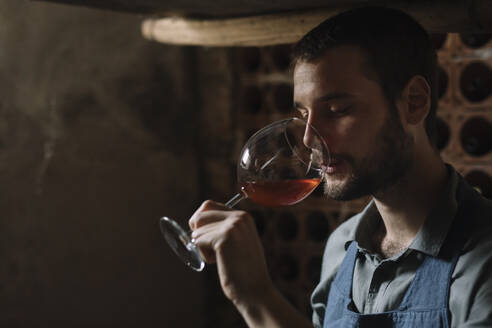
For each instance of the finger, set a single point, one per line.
(204, 229)
(204, 239)
(207, 238)
(213, 238)
(212, 205)
(232, 227)
(204, 208)
(208, 255)
(206, 205)
(209, 217)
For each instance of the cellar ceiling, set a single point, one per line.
(437, 16)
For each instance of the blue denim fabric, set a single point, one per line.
(425, 304)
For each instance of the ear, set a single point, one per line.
(417, 97)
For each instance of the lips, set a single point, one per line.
(335, 165)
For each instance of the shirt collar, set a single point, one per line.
(431, 235)
(366, 223)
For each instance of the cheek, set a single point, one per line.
(344, 133)
(355, 138)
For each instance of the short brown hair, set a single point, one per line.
(397, 49)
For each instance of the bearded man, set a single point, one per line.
(420, 253)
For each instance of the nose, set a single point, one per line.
(313, 140)
(316, 142)
(310, 137)
(312, 134)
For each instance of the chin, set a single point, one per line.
(336, 180)
(334, 189)
(342, 190)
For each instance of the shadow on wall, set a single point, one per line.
(96, 142)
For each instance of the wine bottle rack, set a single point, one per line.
(446, 82)
(263, 61)
(474, 83)
(252, 99)
(479, 176)
(472, 44)
(441, 42)
(444, 143)
(249, 60)
(465, 136)
(281, 99)
(474, 137)
(294, 224)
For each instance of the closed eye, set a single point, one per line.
(339, 110)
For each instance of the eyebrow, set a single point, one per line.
(327, 97)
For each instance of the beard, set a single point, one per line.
(382, 168)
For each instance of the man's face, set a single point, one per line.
(369, 148)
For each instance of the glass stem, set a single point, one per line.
(236, 199)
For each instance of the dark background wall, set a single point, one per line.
(98, 138)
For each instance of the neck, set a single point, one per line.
(405, 206)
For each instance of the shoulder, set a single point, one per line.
(471, 289)
(476, 256)
(477, 215)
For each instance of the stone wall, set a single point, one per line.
(98, 139)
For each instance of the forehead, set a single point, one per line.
(338, 68)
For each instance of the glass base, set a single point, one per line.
(181, 244)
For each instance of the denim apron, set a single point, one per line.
(425, 303)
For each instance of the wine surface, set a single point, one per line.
(281, 192)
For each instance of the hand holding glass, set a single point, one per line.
(280, 164)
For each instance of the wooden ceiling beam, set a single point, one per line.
(245, 31)
(473, 16)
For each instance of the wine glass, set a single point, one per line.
(279, 165)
